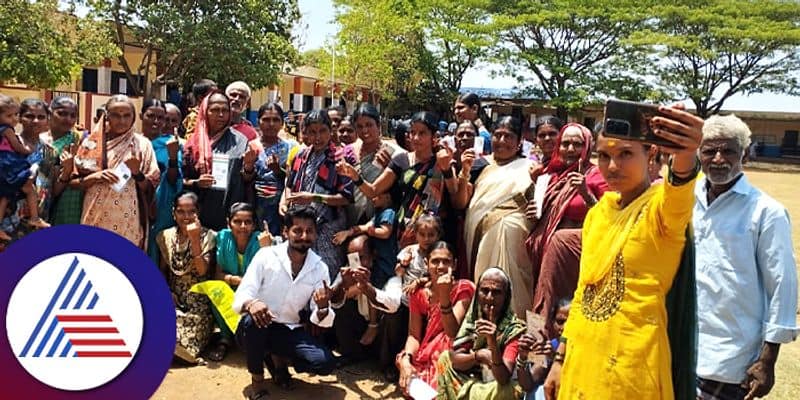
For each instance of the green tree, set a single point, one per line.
(709, 50)
(456, 39)
(414, 53)
(574, 48)
(317, 58)
(186, 40)
(374, 45)
(42, 46)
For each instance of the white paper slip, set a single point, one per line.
(123, 173)
(478, 146)
(535, 323)
(526, 148)
(419, 390)
(539, 191)
(219, 170)
(449, 141)
(486, 374)
(353, 260)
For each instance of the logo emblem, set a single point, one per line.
(90, 321)
(76, 299)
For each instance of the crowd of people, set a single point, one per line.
(480, 259)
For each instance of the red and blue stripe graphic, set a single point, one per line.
(75, 328)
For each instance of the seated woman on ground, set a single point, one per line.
(481, 364)
(187, 257)
(435, 314)
(236, 246)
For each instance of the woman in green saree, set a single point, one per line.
(481, 364)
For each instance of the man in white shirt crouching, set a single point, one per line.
(280, 282)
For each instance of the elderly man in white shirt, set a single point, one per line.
(367, 318)
(746, 271)
(280, 283)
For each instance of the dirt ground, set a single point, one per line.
(226, 380)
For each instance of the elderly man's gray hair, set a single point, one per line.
(727, 127)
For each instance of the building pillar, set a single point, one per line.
(319, 102)
(297, 94)
(352, 101)
(272, 95)
(104, 77)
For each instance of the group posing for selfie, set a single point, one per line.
(480, 259)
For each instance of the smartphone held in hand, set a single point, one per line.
(627, 120)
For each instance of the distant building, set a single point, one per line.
(776, 132)
(300, 90)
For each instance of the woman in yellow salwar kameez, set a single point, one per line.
(618, 342)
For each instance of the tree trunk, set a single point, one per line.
(562, 113)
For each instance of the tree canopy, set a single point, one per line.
(187, 40)
(42, 46)
(575, 49)
(710, 50)
(415, 53)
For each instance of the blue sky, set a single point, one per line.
(318, 16)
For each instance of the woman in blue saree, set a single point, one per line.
(168, 158)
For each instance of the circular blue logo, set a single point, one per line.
(87, 315)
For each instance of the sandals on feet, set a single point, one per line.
(284, 379)
(256, 394)
(217, 352)
(280, 374)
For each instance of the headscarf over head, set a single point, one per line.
(508, 326)
(93, 154)
(558, 166)
(199, 145)
(559, 194)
